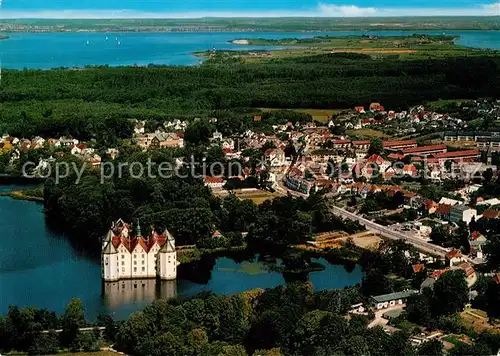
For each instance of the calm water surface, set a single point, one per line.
(50, 50)
(40, 268)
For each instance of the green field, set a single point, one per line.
(366, 134)
(321, 115)
(402, 47)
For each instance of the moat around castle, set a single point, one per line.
(52, 272)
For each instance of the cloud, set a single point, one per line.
(323, 9)
(345, 10)
(493, 9)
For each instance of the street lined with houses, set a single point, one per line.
(424, 246)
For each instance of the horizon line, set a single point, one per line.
(323, 10)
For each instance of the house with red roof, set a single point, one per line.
(443, 211)
(214, 182)
(454, 257)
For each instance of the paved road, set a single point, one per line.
(392, 234)
(100, 328)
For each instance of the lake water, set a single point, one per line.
(40, 268)
(50, 50)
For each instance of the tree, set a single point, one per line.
(196, 340)
(133, 331)
(433, 347)
(308, 334)
(450, 293)
(45, 344)
(488, 175)
(198, 133)
(492, 252)
(72, 320)
(355, 345)
(376, 147)
(439, 235)
(110, 325)
(419, 309)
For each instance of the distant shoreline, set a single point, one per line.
(201, 30)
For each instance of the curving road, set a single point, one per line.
(386, 232)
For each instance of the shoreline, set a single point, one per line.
(261, 30)
(21, 195)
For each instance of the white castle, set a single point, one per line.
(124, 256)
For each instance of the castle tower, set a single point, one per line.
(139, 233)
(167, 267)
(109, 259)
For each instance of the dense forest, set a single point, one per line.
(35, 101)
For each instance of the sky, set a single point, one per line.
(243, 8)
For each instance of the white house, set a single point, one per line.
(125, 256)
(228, 143)
(275, 157)
(454, 257)
(217, 135)
(392, 299)
(139, 128)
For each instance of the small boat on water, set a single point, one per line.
(88, 42)
(106, 38)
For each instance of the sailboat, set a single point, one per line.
(119, 42)
(106, 38)
(88, 42)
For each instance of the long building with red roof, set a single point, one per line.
(399, 144)
(458, 155)
(425, 150)
(128, 256)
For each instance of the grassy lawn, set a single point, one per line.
(443, 103)
(452, 339)
(258, 197)
(321, 115)
(98, 353)
(367, 133)
(477, 320)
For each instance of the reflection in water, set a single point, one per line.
(133, 291)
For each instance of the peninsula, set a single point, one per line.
(416, 46)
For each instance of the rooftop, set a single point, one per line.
(458, 154)
(393, 296)
(424, 149)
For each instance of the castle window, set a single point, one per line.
(123, 269)
(135, 269)
(135, 263)
(143, 262)
(135, 255)
(123, 256)
(106, 261)
(143, 269)
(123, 263)
(142, 255)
